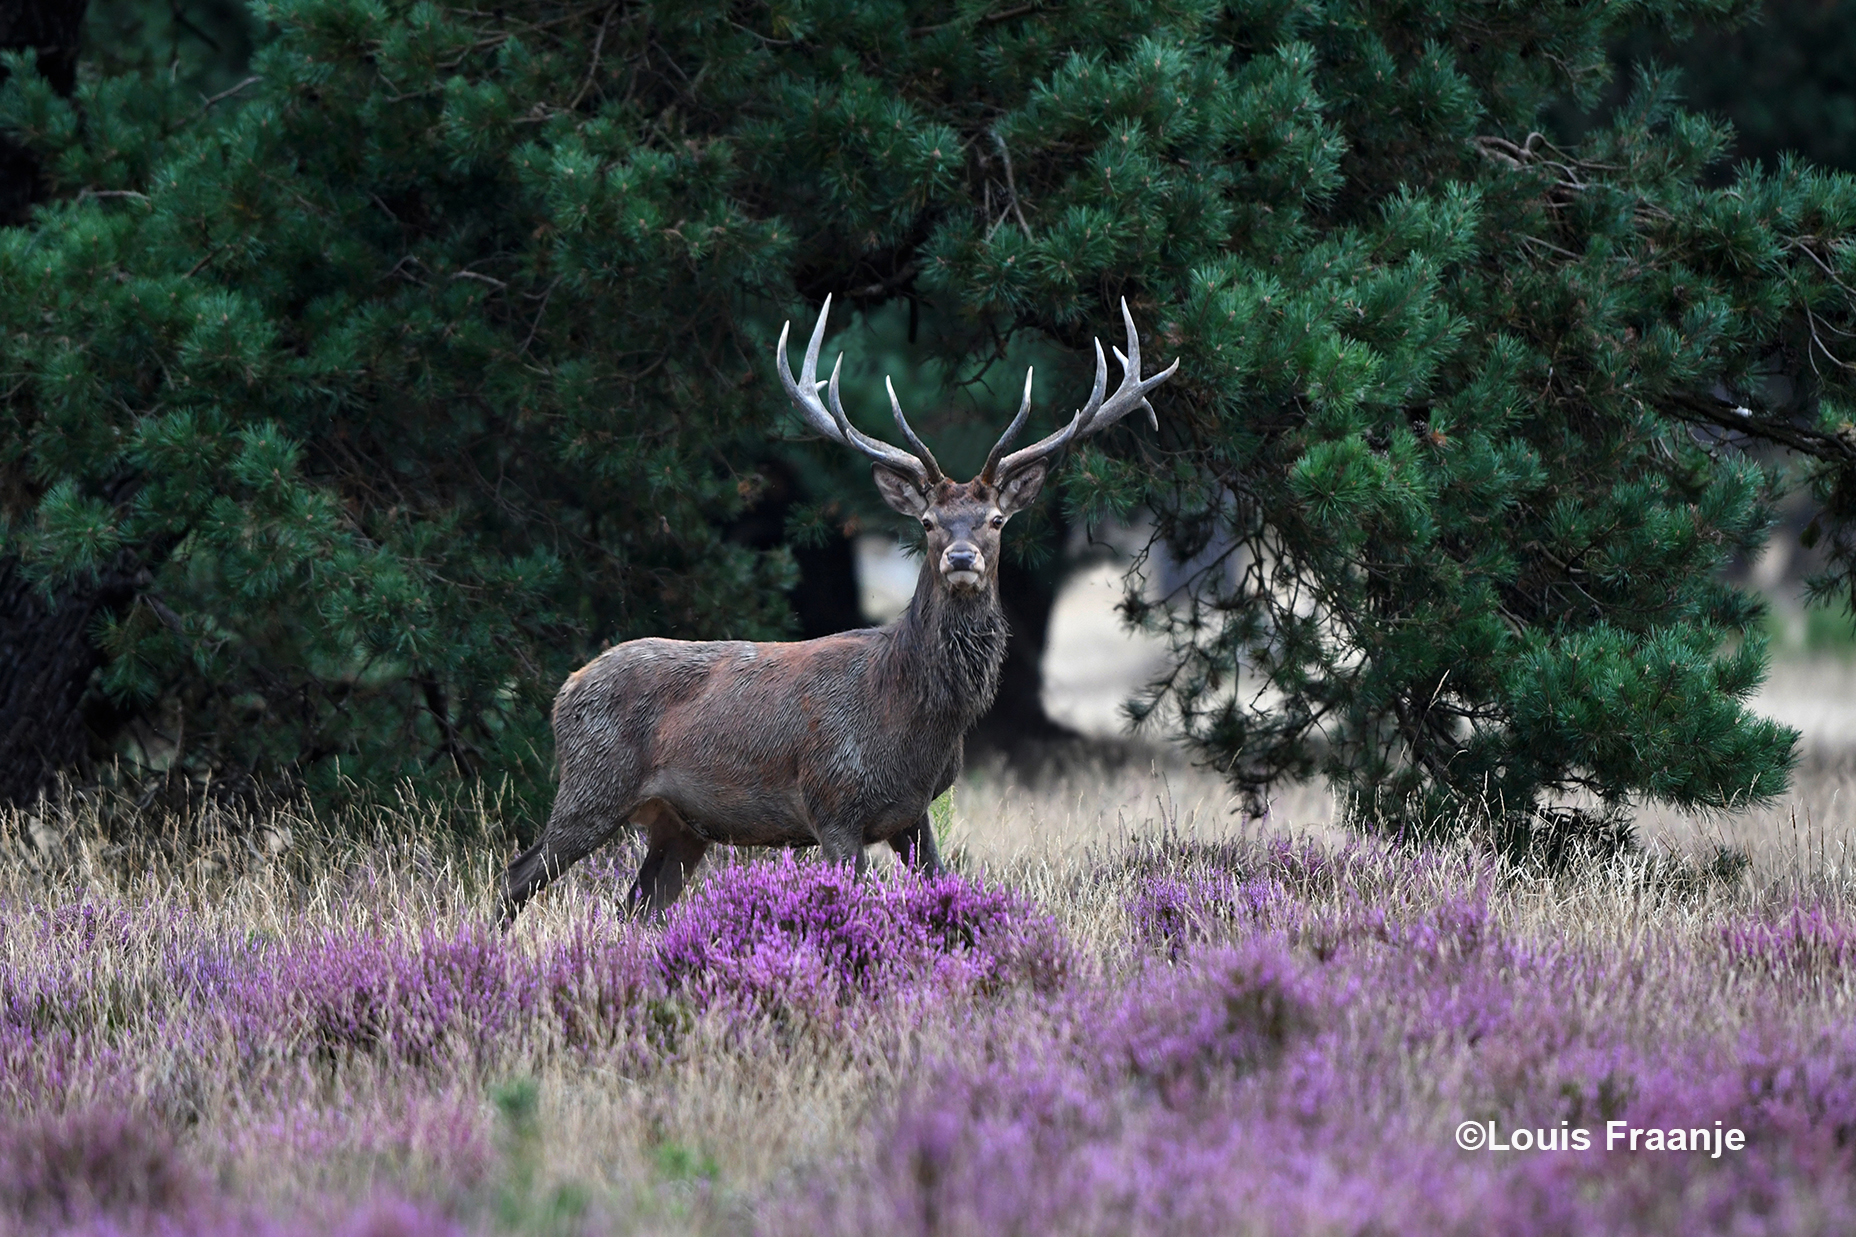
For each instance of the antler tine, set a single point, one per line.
(1051, 444)
(879, 451)
(831, 422)
(1011, 432)
(1153, 418)
(915, 444)
(804, 392)
(1098, 414)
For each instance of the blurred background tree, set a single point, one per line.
(1784, 77)
(202, 47)
(356, 403)
(53, 32)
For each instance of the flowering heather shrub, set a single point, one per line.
(1288, 1050)
(813, 936)
(388, 1218)
(1189, 893)
(776, 934)
(59, 1170)
(1063, 1138)
(424, 1143)
(1807, 942)
(109, 1172)
(1232, 1010)
(469, 995)
(360, 993)
(1172, 913)
(1289, 1084)
(82, 923)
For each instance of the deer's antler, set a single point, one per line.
(920, 467)
(1093, 417)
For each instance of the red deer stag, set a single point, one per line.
(842, 741)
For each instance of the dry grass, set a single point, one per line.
(740, 1116)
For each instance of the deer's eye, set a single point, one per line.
(998, 521)
(928, 524)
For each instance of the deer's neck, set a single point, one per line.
(948, 648)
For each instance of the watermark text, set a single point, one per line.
(1617, 1136)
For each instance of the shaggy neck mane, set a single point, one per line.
(946, 650)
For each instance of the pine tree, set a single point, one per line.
(337, 371)
(407, 376)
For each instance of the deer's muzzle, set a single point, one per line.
(962, 566)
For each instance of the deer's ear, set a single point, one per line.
(1017, 490)
(899, 491)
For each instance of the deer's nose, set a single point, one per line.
(961, 558)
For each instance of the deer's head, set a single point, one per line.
(962, 520)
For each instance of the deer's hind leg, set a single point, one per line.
(915, 845)
(672, 851)
(579, 824)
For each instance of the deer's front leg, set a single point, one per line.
(836, 819)
(843, 844)
(916, 847)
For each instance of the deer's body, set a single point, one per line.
(840, 742)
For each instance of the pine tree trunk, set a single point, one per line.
(55, 28)
(1017, 720)
(1017, 717)
(827, 598)
(46, 663)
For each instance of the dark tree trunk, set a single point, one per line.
(826, 599)
(47, 707)
(1017, 722)
(55, 28)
